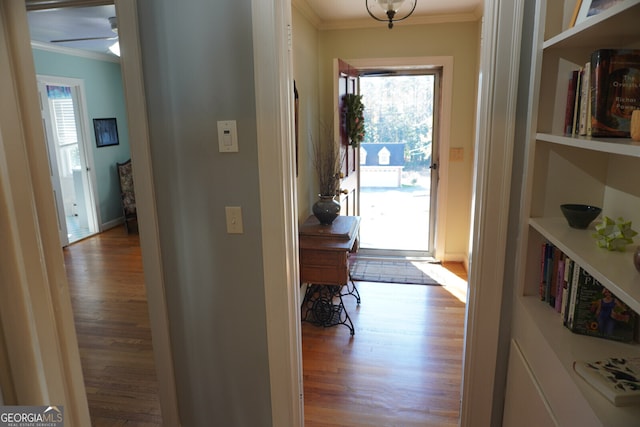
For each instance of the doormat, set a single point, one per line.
(392, 271)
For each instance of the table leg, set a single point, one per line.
(319, 307)
(352, 290)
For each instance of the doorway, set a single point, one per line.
(398, 177)
(65, 117)
(65, 124)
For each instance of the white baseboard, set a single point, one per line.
(111, 224)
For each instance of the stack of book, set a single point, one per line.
(585, 306)
(603, 93)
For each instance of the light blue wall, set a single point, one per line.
(105, 98)
(197, 59)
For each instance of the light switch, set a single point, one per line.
(227, 136)
(234, 219)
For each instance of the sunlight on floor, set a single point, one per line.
(449, 281)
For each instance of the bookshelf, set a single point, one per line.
(561, 169)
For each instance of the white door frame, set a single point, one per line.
(273, 71)
(37, 316)
(483, 372)
(86, 155)
(133, 83)
(444, 63)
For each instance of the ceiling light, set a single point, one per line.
(390, 8)
(115, 48)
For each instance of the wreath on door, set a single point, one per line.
(354, 112)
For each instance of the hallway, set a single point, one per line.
(106, 284)
(403, 367)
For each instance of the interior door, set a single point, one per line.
(53, 172)
(66, 136)
(346, 83)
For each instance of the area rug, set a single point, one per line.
(392, 271)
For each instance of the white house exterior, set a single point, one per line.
(381, 164)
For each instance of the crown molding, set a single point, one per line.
(413, 20)
(75, 52)
(308, 13)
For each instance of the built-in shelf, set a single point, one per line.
(590, 168)
(613, 269)
(616, 26)
(569, 347)
(624, 146)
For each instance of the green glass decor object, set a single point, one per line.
(614, 235)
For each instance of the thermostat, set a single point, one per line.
(227, 136)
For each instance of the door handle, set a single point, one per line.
(433, 166)
(344, 191)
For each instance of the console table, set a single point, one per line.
(324, 266)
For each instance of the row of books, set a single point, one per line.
(585, 306)
(603, 93)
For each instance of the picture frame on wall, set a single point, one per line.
(106, 131)
(586, 8)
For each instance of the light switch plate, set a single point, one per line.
(456, 154)
(234, 219)
(227, 136)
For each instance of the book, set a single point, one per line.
(573, 291)
(571, 101)
(560, 284)
(615, 91)
(568, 275)
(553, 276)
(598, 313)
(618, 379)
(543, 266)
(576, 104)
(585, 95)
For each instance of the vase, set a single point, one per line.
(326, 209)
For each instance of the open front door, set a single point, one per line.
(347, 83)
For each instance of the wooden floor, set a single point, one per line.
(112, 324)
(402, 368)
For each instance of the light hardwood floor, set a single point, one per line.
(402, 368)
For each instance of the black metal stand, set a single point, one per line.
(323, 306)
(353, 291)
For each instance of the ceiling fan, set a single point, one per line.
(113, 21)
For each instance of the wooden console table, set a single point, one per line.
(324, 266)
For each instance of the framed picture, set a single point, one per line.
(587, 8)
(106, 131)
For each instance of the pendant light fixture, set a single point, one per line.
(390, 9)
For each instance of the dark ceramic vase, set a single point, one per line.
(326, 209)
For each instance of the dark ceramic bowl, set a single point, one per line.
(579, 216)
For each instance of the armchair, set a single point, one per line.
(127, 195)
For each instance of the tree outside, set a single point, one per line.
(400, 109)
